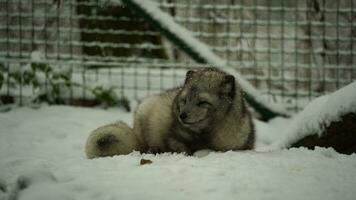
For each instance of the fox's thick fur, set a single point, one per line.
(208, 112)
(109, 140)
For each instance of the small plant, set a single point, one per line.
(2, 68)
(54, 83)
(4, 98)
(108, 97)
(50, 82)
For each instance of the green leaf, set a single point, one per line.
(41, 67)
(29, 77)
(16, 76)
(125, 103)
(107, 97)
(1, 80)
(2, 67)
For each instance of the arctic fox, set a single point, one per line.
(208, 112)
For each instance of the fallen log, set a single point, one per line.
(327, 121)
(340, 135)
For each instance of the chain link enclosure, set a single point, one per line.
(291, 50)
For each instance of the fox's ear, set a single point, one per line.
(189, 75)
(228, 86)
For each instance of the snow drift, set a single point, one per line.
(42, 157)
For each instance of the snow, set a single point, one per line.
(203, 50)
(42, 151)
(316, 116)
(37, 56)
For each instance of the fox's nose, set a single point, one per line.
(183, 116)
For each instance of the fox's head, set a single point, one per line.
(205, 98)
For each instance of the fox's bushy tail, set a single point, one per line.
(113, 139)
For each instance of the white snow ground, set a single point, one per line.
(44, 149)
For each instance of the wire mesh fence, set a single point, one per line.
(293, 51)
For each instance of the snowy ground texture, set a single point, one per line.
(42, 150)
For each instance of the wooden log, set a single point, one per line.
(340, 135)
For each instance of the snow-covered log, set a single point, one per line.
(201, 53)
(328, 121)
(340, 135)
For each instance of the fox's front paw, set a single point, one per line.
(155, 150)
(178, 147)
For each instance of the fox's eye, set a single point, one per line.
(203, 104)
(184, 101)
